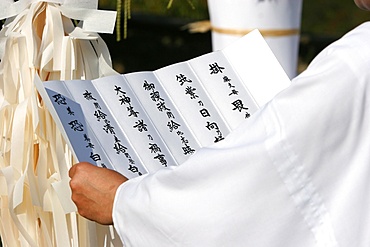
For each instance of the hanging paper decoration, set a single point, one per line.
(40, 38)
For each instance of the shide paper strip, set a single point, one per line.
(39, 39)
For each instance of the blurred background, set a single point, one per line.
(156, 36)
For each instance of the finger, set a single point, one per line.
(72, 171)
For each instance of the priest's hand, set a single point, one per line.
(93, 191)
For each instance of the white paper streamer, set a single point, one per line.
(40, 40)
(83, 10)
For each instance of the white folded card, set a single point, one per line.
(140, 122)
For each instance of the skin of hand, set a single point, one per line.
(94, 188)
(363, 4)
(93, 191)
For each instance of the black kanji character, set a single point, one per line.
(132, 111)
(182, 79)
(95, 157)
(211, 126)
(155, 96)
(154, 148)
(215, 68)
(134, 169)
(141, 126)
(148, 86)
(238, 105)
(123, 99)
(119, 148)
(76, 126)
(100, 115)
(205, 113)
(88, 95)
(162, 159)
(172, 125)
(70, 112)
(108, 128)
(59, 99)
(118, 90)
(191, 91)
(188, 150)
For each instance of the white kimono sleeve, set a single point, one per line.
(297, 173)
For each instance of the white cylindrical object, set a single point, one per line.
(278, 20)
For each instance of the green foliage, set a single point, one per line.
(189, 9)
(196, 9)
(329, 17)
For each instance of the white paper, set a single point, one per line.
(187, 93)
(112, 138)
(258, 68)
(224, 85)
(170, 112)
(64, 111)
(132, 117)
(164, 114)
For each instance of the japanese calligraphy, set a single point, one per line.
(172, 125)
(191, 92)
(239, 106)
(59, 99)
(70, 111)
(66, 108)
(163, 108)
(159, 118)
(103, 117)
(182, 79)
(215, 68)
(88, 96)
(140, 124)
(233, 91)
(76, 126)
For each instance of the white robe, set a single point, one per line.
(297, 173)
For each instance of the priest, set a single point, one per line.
(297, 173)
